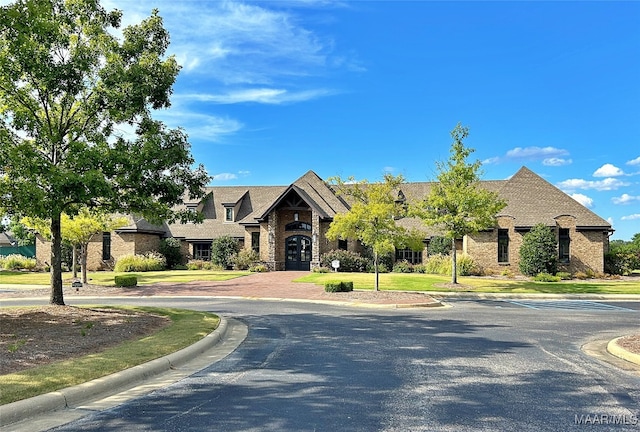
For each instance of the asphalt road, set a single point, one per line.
(478, 365)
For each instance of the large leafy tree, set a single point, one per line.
(539, 251)
(372, 217)
(457, 204)
(67, 85)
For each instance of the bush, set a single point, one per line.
(441, 264)
(126, 280)
(258, 268)
(17, 262)
(465, 265)
(151, 261)
(338, 286)
(245, 259)
(402, 267)
(539, 252)
(223, 251)
(349, 261)
(202, 265)
(172, 252)
(439, 246)
(419, 268)
(623, 258)
(546, 277)
(564, 275)
(320, 270)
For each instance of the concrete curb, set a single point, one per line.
(614, 349)
(110, 384)
(532, 296)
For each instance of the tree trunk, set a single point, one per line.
(57, 297)
(375, 266)
(83, 261)
(75, 261)
(454, 262)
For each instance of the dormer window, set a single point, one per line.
(228, 214)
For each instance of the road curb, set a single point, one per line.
(110, 384)
(614, 349)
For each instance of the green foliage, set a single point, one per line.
(623, 257)
(224, 250)
(564, 275)
(203, 265)
(245, 259)
(372, 215)
(402, 267)
(439, 245)
(349, 261)
(546, 277)
(442, 265)
(151, 261)
(126, 280)
(457, 204)
(419, 268)
(338, 286)
(17, 262)
(19, 231)
(258, 268)
(67, 83)
(171, 249)
(539, 252)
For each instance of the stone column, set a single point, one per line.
(316, 235)
(272, 229)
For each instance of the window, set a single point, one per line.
(228, 214)
(342, 244)
(563, 245)
(106, 246)
(503, 246)
(202, 251)
(297, 226)
(255, 242)
(411, 256)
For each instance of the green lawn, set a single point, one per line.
(106, 277)
(186, 328)
(427, 282)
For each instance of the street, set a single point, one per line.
(477, 365)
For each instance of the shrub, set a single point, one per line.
(507, 272)
(349, 261)
(172, 252)
(419, 268)
(439, 246)
(546, 277)
(564, 275)
(126, 280)
(338, 286)
(402, 267)
(465, 265)
(320, 270)
(17, 262)
(538, 253)
(245, 259)
(202, 265)
(258, 268)
(441, 264)
(151, 261)
(223, 251)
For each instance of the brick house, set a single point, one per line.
(286, 225)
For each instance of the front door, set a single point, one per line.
(298, 253)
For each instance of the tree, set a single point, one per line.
(539, 251)
(66, 85)
(456, 204)
(372, 217)
(172, 250)
(77, 231)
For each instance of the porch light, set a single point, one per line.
(295, 217)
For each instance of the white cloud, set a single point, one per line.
(225, 176)
(201, 126)
(260, 95)
(635, 161)
(625, 199)
(535, 153)
(610, 220)
(608, 170)
(583, 199)
(601, 185)
(554, 161)
(631, 217)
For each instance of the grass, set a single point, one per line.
(106, 277)
(186, 328)
(428, 282)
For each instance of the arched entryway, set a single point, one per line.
(298, 248)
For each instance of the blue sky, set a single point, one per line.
(272, 89)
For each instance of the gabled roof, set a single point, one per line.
(532, 200)
(140, 225)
